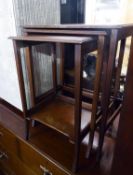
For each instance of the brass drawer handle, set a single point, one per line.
(1, 134)
(45, 170)
(3, 155)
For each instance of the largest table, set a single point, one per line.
(114, 34)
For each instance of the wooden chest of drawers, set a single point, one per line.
(46, 152)
(19, 157)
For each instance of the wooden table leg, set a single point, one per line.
(78, 102)
(107, 89)
(99, 65)
(21, 85)
(120, 62)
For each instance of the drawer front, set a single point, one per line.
(51, 167)
(12, 165)
(30, 157)
(6, 161)
(21, 153)
(8, 140)
(38, 162)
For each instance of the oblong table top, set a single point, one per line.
(55, 39)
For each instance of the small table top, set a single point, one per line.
(54, 39)
(123, 30)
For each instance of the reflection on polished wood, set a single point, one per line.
(60, 116)
(56, 147)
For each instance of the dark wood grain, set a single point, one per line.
(123, 155)
(78, 103)
(113, 34)
(66, 32)
(55, 39)
(107, 88)
(43, 143)
(99, 65)
(59, 115)
(20, 77)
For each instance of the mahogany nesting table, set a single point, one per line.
(102, 38)
(69, 116)
(114, 35)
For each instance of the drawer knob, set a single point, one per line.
(3, 155)
(45, 170)
(1, 134)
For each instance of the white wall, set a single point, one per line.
(105, 12)
(13, 14)
(9, 89)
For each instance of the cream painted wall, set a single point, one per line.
(129, 12)
(9, 89)
(97, 14)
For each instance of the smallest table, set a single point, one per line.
(70, 116)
